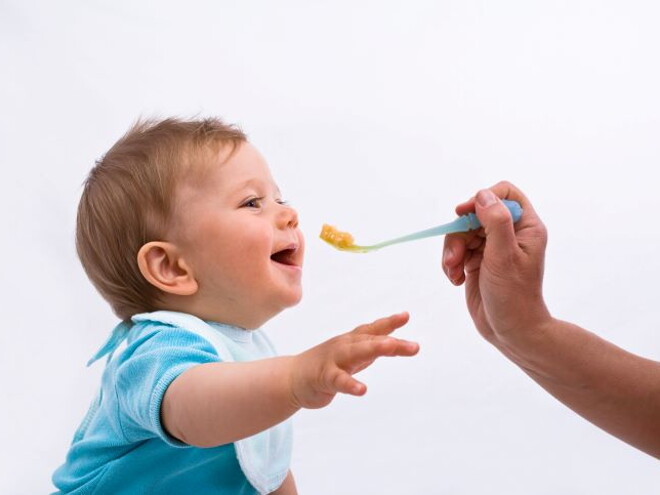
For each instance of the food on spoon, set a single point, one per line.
(337, 238)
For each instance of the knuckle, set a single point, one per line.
(361, 329)
(331, 377)
(542, 230)
(500, 217)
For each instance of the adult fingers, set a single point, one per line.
(505, 190)
(453, 256)
(497, 223)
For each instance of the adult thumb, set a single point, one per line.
(497, 222)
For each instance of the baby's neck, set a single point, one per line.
(226, 314)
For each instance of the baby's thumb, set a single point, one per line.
(497, 222)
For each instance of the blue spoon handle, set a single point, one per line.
(464, 223)
(468, 222)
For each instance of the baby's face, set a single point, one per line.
(241, 240)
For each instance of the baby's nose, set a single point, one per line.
(287, 217)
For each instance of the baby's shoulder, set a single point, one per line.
(160, 341)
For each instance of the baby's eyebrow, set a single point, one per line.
(248, 183)
(258, 184)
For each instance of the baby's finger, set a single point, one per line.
(366, 351)
(345, 383)
(383, 326)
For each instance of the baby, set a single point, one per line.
(183, 230)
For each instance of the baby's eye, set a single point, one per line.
(282, 202)
(252, 203)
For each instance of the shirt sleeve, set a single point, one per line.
(144, 372)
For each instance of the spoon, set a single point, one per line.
(344, 241)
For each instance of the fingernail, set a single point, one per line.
(486, 198)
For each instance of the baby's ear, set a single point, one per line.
(163, 267)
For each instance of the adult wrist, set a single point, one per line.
(526, 343)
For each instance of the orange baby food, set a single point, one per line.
(339, 239)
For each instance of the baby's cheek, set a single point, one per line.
(301, 241)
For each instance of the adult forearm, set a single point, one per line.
(614, 389)
(218, 403)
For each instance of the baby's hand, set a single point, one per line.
(321, 372)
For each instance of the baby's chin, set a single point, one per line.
(296, 298)
(285, 304)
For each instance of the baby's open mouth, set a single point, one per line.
(285, 257)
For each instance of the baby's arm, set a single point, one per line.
(218, 403)
(288, 487)
(502, 268)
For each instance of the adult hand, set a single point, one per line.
(501, 265)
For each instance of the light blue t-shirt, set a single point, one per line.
(121, 446)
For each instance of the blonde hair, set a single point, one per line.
(128, 199)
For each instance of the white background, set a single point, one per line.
(378, 117)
